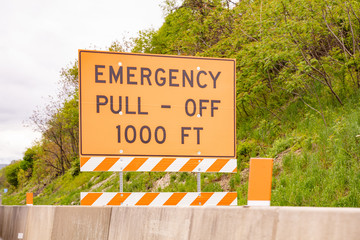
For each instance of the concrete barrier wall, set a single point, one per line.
(318, 223)
(1, 219)
(81, 223)
(156, 223)
(180, 223)
(40, 221)
(246, 223)
(14, 221)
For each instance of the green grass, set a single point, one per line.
(326, 172)
(319, 165)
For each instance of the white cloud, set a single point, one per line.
(14, 141)
(40, 37)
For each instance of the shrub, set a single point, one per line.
(11, 173)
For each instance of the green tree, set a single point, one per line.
(29, 158)
(11, 172)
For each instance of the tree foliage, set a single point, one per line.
(286, 50)
(11, 173)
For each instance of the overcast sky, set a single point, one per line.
(39, 37)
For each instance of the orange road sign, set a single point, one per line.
(156, 105)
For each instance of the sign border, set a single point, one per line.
(160, 56)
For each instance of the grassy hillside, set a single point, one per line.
(298, 101)
(314, 166)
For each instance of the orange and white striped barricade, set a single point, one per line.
(158, 164)
(183, 199)
(153, 164)
(260, 177)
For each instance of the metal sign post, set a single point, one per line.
(121, 181)
(198, 182)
